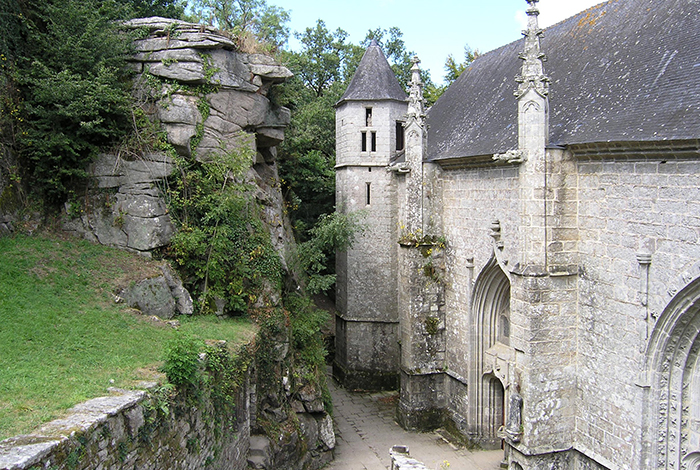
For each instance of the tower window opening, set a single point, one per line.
(364, 141)
(374, 141)
(399, 136)
(368, 117)
(369, 193)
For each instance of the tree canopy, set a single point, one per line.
(255, 19)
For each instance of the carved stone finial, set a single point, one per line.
(532, 74)
(415, 96)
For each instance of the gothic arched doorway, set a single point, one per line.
(490, 325)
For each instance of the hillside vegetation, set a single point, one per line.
(63, 339)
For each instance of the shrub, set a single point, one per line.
(182, 363)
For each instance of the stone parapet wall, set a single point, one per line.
(135, 430)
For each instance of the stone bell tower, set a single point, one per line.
(369, 135)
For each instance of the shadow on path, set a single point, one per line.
(366, 430)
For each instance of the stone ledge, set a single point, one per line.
(24, 451)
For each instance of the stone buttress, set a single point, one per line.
(543, 282)
(421, 274)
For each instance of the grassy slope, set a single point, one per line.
(62, 339)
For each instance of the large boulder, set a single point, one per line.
(201, 91)
(163, 296)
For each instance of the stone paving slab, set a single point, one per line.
(366, 430)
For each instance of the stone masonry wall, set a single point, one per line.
(367, 351)
(628, 207)
(473, 199)
(136, 430)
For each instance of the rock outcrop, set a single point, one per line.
(208, 98)
(163, 296)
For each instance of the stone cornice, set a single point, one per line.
(665, 149)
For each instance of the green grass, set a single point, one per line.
(62, 338)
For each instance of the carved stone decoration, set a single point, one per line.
(492, 358)
(532, 75)
(400, 168)
(531, 107)
(496, 230)
(515, 417)
(498, 246)
(415, 95)
(673, 360)
(511, 156)
(644, 260)
(692, 461)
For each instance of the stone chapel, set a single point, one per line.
(530, 275)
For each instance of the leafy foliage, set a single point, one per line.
(454, 69)
(323, 59)
(333, 232)
(70, 93)
(266, 23)
(182, 362)
(307, 156)
(164, 8)
(221, 246)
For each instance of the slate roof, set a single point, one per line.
(625, 70)
(374, 80)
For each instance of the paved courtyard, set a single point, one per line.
(366, 430)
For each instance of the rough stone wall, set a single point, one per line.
(351, 122)
(371, 261)
(422, 335)
(131, 429)
(628, 207)
(543, 319)
(401, 459)
(367, 323)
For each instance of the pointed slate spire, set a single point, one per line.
(415, 96)
(374, 79)
(532, 73)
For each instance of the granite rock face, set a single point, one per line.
(208, 98)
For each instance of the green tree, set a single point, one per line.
(70, 96)
(454, 69)
(307, 157)
(164, 8)
(401, 60)
(246, 18)
(394, 48)
(320, 62)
